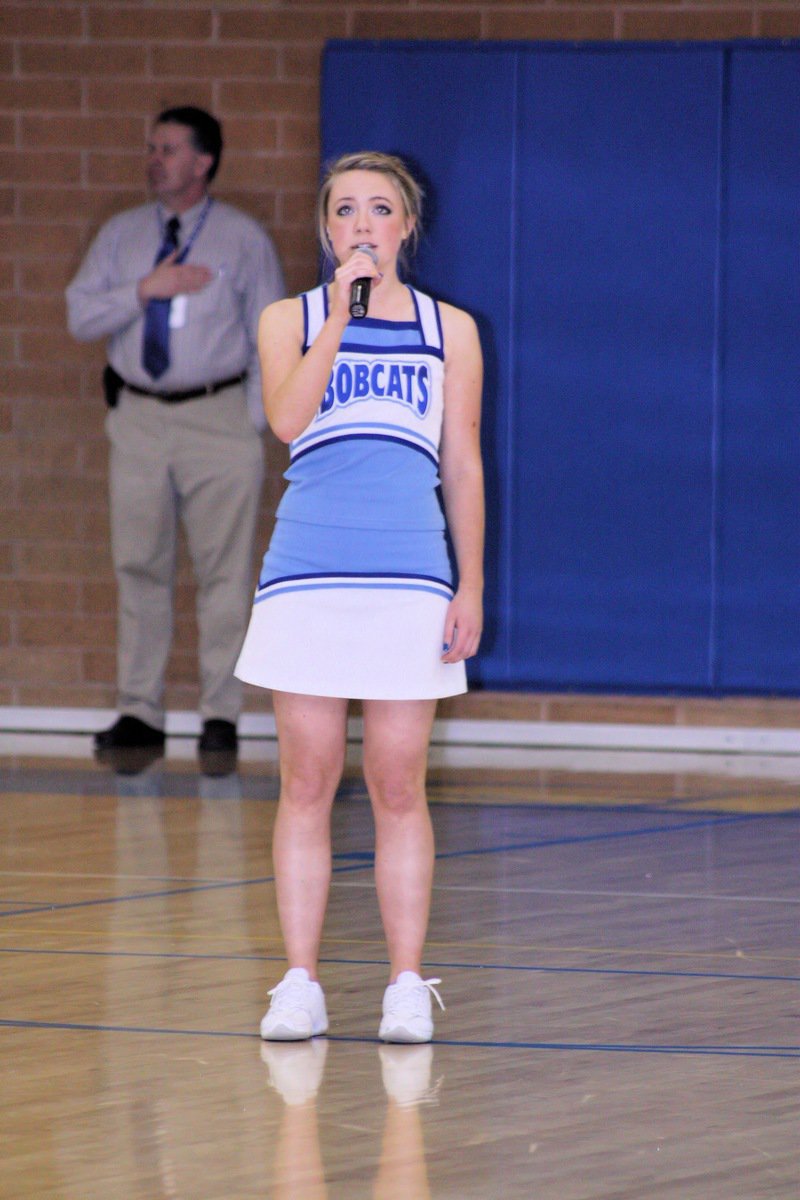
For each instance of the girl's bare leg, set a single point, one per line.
(396, 737)
(312, 739)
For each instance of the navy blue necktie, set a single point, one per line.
(155, 346)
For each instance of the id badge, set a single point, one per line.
(177, 312)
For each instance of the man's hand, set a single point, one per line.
(168, 279)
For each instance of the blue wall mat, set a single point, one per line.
(759, 592)
(591, 206)
(614, 336)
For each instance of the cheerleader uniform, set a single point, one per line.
(354, 588)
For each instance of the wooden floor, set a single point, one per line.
(618, 944)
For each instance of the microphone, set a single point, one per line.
(359, 288)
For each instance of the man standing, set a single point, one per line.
(177, 286)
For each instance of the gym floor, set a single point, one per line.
(617, 940)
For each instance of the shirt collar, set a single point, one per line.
(187, 219)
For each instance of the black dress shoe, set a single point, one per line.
(217, 748)
(129, 760)
(129, 733)
(218, 737)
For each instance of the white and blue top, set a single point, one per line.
(351, 466)
(355, 584)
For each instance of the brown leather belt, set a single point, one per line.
(210, 389)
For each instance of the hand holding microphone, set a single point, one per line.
(360, 288)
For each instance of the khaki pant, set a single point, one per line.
(199, 462)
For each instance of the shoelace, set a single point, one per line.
(428, 984)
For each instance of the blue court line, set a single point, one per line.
(537, 844)
(104, 900)
(638, 972)
(193, 889)
(602, 1047)
(622, 1048)
(34, 906)
(78, 1027)
(663, 806)
(530, 968)
(616, 835)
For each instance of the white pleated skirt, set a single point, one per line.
(361, 634)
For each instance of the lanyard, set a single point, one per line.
(198, 225)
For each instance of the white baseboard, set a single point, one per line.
(519, 734)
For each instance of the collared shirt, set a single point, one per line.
(217, 337)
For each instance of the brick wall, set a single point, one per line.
(78, 84)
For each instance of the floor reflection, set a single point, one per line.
(137, 760)
(296, 1071)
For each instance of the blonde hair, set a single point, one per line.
(411, 194)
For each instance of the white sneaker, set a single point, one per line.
(296, 1068)
(407, 1009)
(297, 1010)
